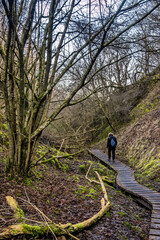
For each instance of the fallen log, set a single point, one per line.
(48, 227)
(18, 213)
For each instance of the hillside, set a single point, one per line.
(65, 195)
(59, 188)
(139, 140)
(139, 143)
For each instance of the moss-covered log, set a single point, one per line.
(58, 230)
(50, 227)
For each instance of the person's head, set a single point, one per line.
(110, 134)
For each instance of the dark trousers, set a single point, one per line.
(111, 150)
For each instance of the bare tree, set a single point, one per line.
(41, 43)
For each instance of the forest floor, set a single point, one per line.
(65, 195)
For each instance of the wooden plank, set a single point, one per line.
(125, 180)
(155, 226)
(155, 211)
(138, 188)
(142, 192)
(154, 232)
(155, 220)
(155, 215)
(126, 177)
(154, 237)
(155, 195)
(131, 185)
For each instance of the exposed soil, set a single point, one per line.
(68, 197)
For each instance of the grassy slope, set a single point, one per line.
(139, 141)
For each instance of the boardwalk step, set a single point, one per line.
(126, 181)
(155, 232)
(154, 237)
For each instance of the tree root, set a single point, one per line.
(48, 226)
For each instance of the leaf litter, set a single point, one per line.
(66, 197)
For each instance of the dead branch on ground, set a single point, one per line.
(48, 226)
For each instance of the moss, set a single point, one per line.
(108, 179)
(79, 227)
(104, 134)
(108, 214)
(91, 196)
(40, 230)
(3, 131)
(19, 194)
(122, 214)
(76, 178)
(137, 217)
(19, 214)
(150, 164)
(27, 181)
(148, 104)
(123, 237)
(14, 231)
(65, 167)
(83, 168)
(81, 190)
(92, 193)
(98, 169)
(131, 227)
(34, 230)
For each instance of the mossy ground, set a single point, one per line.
(67, 197)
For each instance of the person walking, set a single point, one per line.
(111, 145)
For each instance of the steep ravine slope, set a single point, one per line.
(139, 140)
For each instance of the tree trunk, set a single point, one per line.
(20, 156)
(37, 59)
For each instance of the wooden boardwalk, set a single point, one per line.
(126, 181)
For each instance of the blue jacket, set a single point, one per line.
(109, 141)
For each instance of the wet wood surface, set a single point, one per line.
(126, 181)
